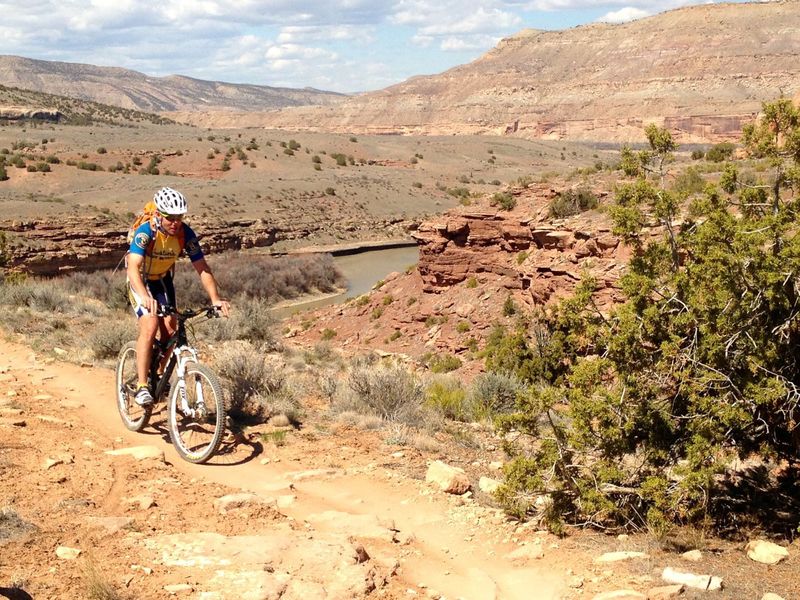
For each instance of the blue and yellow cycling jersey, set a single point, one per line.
(160, 250)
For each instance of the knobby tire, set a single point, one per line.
(134, 417)
(197, 440)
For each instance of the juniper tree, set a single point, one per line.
(645, 407)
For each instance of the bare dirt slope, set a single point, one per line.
(334, 513)
(134, 90)
(335, 493)
(701, 71)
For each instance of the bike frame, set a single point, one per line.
(182, 354)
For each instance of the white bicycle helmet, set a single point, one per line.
(170, 202)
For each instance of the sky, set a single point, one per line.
(338, 45)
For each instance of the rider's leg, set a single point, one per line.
(148, 326)
(167, 327)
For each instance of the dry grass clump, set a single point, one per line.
(35, 294)
(96, 584)
(106, 286)
(12, 525)
(493, 393)
(260, 276)
(256, 388)
(250, 320)
(387, 391)
(106, 341)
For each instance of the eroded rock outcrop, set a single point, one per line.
(472, 261)
(51, 247)
(542, 258)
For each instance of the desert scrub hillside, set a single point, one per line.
(76, 112)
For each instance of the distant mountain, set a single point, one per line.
(702, 71)
(137, 91)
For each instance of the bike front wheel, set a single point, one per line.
(134, 416)
(197, 422)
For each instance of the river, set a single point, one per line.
(362, 271)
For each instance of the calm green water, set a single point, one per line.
(362, 271)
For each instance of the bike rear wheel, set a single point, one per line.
(196, 427)
(134, 417)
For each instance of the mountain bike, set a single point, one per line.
(196, 411)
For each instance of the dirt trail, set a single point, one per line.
(339, 486)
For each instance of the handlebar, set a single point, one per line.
(210, 312)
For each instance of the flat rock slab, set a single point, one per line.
(139, 452)
(67, 553)
(610, 557)
(692, 580)
(109, 524)
(359, 526)
(270, 566)
(241, 500)
(620, 595)
(766, 552)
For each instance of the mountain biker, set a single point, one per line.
(155, 247)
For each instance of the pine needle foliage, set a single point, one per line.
(632, 418)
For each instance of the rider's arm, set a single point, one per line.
(135, 262)
(210, 285)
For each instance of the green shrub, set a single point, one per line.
(443, 363)
(104, 286)
(504, 200)
(447, 397)
(472, 282)
(509, 307)
(463, 326)
(101, 150)
(571, 202)
(720, 152)
(651, 407)
(328, 334)
(689, 182)
(459, 192)
(36, 294)
(3, 173)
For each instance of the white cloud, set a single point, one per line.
(301, 34)
(629, 13)
(281, 42)
(461, 44)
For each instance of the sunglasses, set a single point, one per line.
(171, 218)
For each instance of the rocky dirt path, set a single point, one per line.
(328, 514)
(262, 521)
